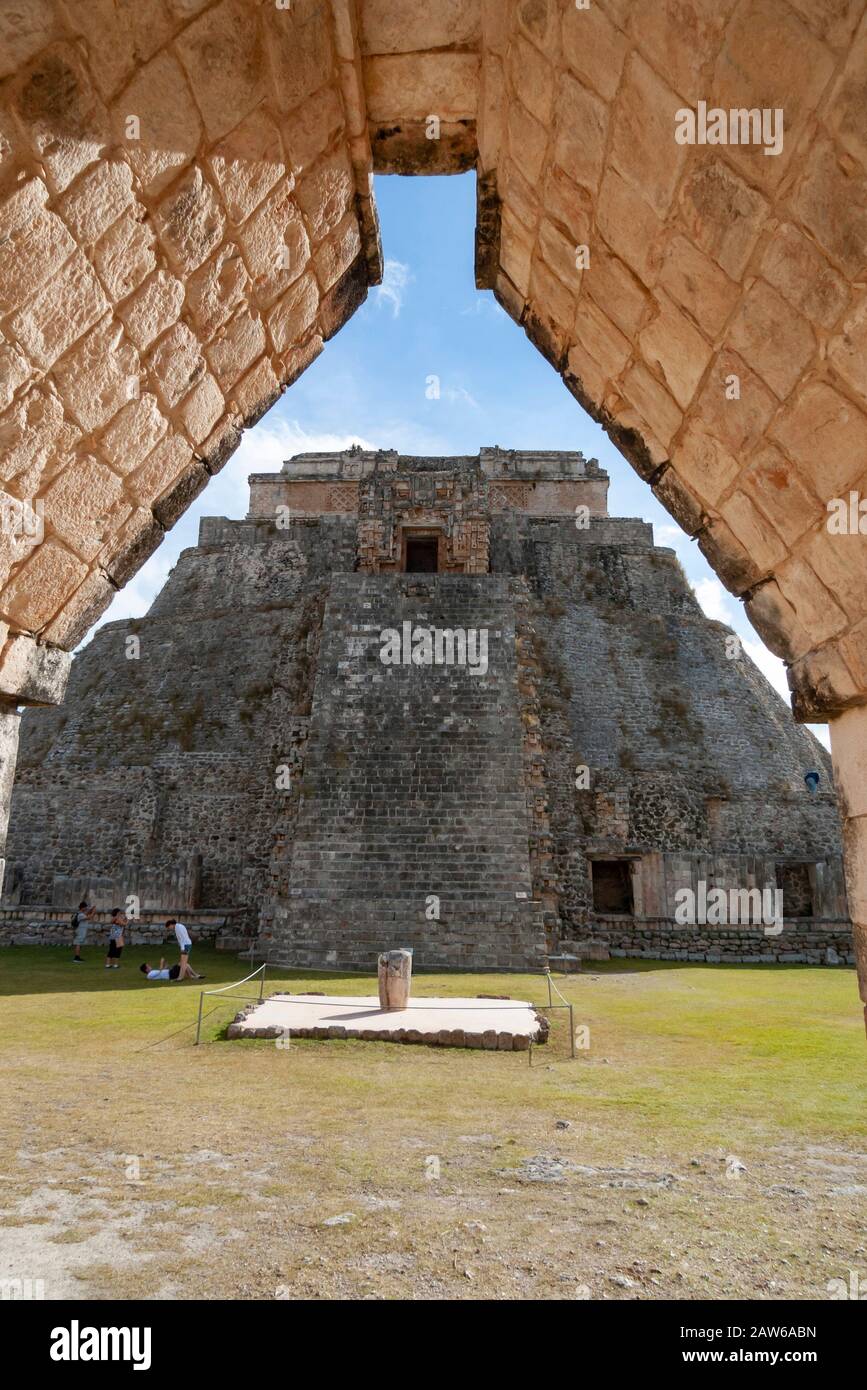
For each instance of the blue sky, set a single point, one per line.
(369, 385)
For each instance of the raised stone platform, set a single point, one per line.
(503, 1025)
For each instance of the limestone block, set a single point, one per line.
(14, 371)
(652, 401)
(581, 123)
(399, 26)
(190, 221)
(24, 30)
(35, 440)
(161, 468)
(124, 257)
(723, 215)
(847, 352)
(629, 223)
(531, 78)
(642, 147)
(818, 612)
(169, 124)
(33, 254)
(413, 86)
(832, 203)
(220, 445)
(247, 164)
(594, 49)
(275, 244)
(293, 314)
(697, 284)
(776, 341)
(41, 586)
(325, 193)
(256, 392)
(826, 435)
(96, 200)
(236, 346)
(334, 256)
(67, 305)
(615, 289)
(132, 545)
(183, 491)
(766, 46)
(839, 563)
(81, 505)
(559, 253)
(217, 288)
(61, 112)
(675, 349)
(849, 754)
(118, 37)
(34, 674)
(822, 683)
(746, 522)
(177, 363)
(604, 343)
(223, 54)
(201, 409)
(777, 622)
(783, 496)
(99, 376)
(81, 611)
(299, 46)
(736, 421)
(795, 266)
(154, 307)
(133, 432)
(312, 127)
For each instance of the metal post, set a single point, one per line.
(262, 983)
(199, 1023)
(572, 1030)
(548, 975)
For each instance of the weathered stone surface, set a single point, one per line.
(31, 673)
(465, 761)
(140, 144)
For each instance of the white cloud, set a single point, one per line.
(714, 600)
(396, 277)
(457, 394)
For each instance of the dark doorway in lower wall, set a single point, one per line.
(612, 885)
(794, 880)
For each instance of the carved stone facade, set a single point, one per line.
(604, 756)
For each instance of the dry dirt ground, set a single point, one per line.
(710, 1142)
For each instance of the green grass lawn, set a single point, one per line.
(687, 1066)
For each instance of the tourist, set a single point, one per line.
(80, 922)
(162, 972)
(115, 938)
(185, 945)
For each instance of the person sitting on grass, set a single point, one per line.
(185, 945)
(80, 922)
(172, 972)
(115, 938)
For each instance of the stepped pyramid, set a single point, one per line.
(445, 703)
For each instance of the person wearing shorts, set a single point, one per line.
(161, 972)
(185, 945)
(115, 939)
(80, 922)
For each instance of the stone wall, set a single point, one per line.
(412, 825)
(248, 724)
